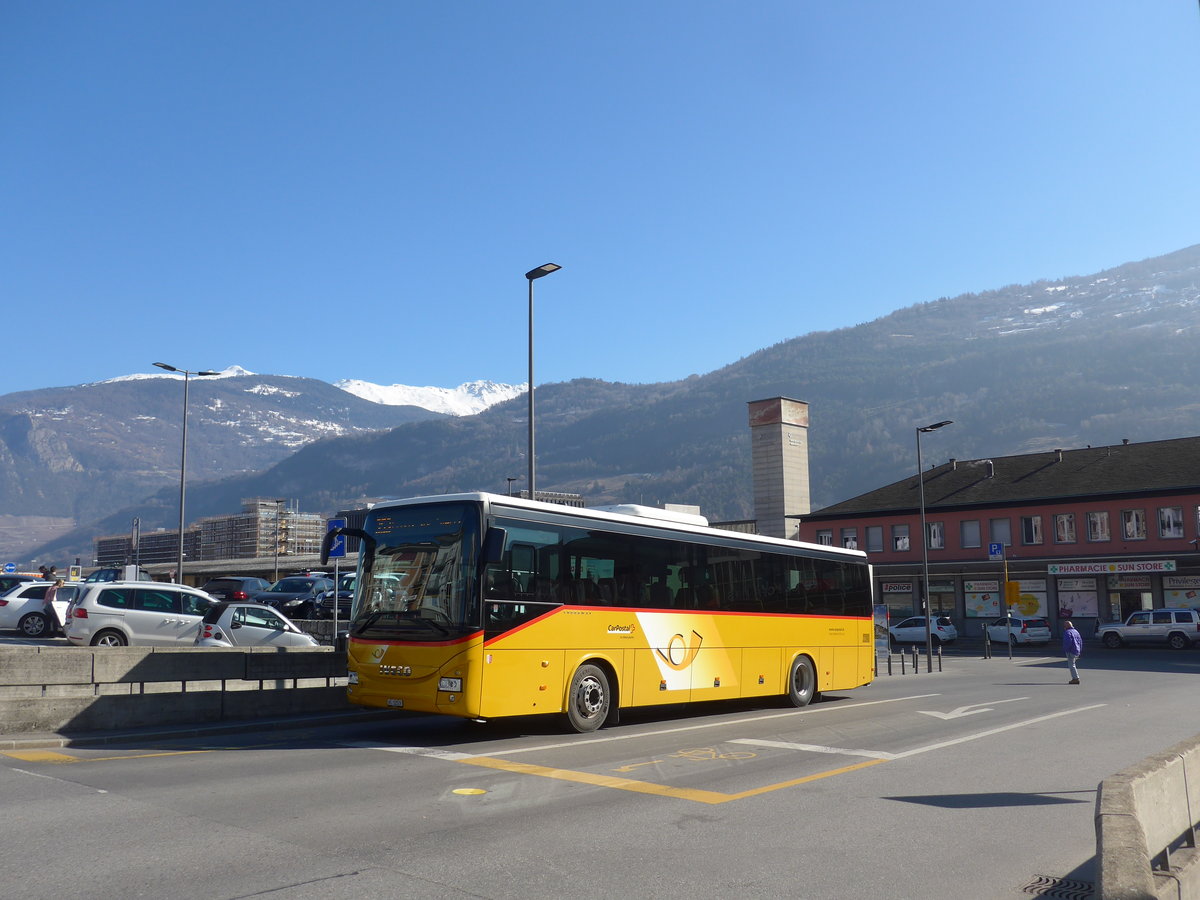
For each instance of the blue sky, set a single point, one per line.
(356, 189)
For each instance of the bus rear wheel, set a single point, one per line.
(802, 682)
(589, 699)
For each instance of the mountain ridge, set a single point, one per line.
(1081, 360)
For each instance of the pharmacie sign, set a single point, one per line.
(1111, 568)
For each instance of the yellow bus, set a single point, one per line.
(482, 606)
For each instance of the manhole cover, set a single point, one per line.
(1059, 888)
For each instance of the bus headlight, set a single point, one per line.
(353, 679)
(450, 684)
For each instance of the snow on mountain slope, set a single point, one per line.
(464, 400)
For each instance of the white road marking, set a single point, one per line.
(982, 734)
(447, 754)
(880, 754)
(968, 710)
(814, 748)
(823, 707)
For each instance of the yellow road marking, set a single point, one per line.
(645, 787)
(46, 756)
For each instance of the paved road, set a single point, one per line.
(967, 783)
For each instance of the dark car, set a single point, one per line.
(345, 596)
(296, 595)
(235, 587)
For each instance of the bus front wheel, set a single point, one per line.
(802, 683)
(589, 699)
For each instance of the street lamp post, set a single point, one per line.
(531, 276)
(278, 513)
(925, 545)
(183, 455)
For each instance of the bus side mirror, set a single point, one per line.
(493, 545)
(327, 541)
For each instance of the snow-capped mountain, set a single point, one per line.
(464, 400)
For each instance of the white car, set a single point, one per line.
(912, 630)
(136, 613)
(1024, 630)
(249, 625)
(21, 608)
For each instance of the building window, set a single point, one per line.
(874, 538)
(899, 537)
(850, 538)
(968, 533)
(1170, 521)
(935, 534)
(1031, 529)
(1133, 524)
(825, 536)
(1064, 528)
(1000, 532)
(1097, 525)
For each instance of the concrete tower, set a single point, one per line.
(779, 441)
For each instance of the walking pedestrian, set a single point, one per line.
(53, 626)
(1073, 648)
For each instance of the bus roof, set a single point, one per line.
(629, 514)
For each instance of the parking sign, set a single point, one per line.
(995, 551)
(337, 547)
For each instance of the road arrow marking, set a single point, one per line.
(964, 711)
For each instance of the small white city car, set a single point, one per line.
(136, 613)
(242, 624)
(21, 608)
(912, 630)
(1024, 630)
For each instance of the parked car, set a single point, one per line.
(345, 597)
(1176, 628)
(249, 624)
(117, 573)
(1019, 630)
(295, 595)
(234, 587)
(117, 613)
(22, 608)
(8, 582)
(912, 630)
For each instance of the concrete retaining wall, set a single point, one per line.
(1145, 828)
(76, 689)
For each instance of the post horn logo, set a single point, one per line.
(680, 652)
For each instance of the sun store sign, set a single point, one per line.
(1111, 568)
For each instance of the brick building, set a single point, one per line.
(1089, 534)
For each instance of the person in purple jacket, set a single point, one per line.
(1073, 648)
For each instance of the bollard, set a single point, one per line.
(916, 660)
(939, 657)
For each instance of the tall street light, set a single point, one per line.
(183, 454)
(532, 275)
(278, 513)
(925, 545)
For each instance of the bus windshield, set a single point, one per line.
(418, 581)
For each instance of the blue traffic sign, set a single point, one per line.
(337, 547)
(995, 551)
(9, 568)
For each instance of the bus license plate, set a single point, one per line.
(396, 703)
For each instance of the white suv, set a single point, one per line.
(1178, 628)
(136, 613)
